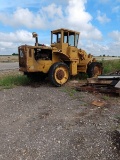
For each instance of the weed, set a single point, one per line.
(105, 97)
(110, 66)
(70, 91)
(11, 81)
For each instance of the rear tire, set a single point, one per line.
(94, 69)
(59, 74)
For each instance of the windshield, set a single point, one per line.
(56, 37)
(73, 39)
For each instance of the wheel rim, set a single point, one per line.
(97, 71)
(61, 75)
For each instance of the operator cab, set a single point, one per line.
(62, 36)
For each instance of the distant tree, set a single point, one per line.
(15, 54)
(103, 55)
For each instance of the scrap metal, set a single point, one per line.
(109, 84)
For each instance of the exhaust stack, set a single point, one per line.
(36, 38)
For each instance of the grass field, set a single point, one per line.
(8, 58)
(110, 66)
(106, 58)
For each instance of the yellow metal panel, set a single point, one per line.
(72, 52)
(82, 68)
(30, 61)
(73, 68)
(64, 48)
(44, 65)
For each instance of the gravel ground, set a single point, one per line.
(9, 66)
(48, 123)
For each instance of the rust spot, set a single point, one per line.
(60, 74)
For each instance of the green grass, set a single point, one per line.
(105, 97)
(11, 81)
(110, 66)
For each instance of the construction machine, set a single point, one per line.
(59, 61)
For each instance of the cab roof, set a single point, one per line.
(65, 30)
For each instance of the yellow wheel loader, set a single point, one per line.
(61, 60)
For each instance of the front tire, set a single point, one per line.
(59, 74)
(94, 69)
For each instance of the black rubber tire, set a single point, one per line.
(52, 73)
(91, 67)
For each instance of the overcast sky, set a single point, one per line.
(98, 22)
